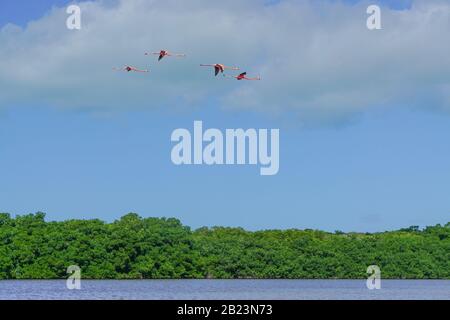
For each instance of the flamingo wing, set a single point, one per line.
(252, 79)
(231, 68)
(136, 69)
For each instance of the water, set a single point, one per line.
(226, 290)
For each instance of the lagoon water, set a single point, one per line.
(226, 290)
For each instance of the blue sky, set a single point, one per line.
(384, 168)
(22, 11)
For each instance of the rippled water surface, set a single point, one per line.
(226, 289)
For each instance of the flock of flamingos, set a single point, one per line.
(218, 68)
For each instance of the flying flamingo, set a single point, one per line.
(165, 53)
(243, 76)
(218, 67)
(129, 69)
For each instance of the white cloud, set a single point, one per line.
(317, 59)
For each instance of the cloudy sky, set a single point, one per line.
(364, 115)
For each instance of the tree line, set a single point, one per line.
(159, 248)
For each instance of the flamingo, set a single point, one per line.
(243, 76)
(218, 67)
(165, 53)
(129, 69)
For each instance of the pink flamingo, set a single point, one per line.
(243, 76)
(165, 53)
(218, 68)
(129, 69)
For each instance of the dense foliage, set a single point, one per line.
(133, 247)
